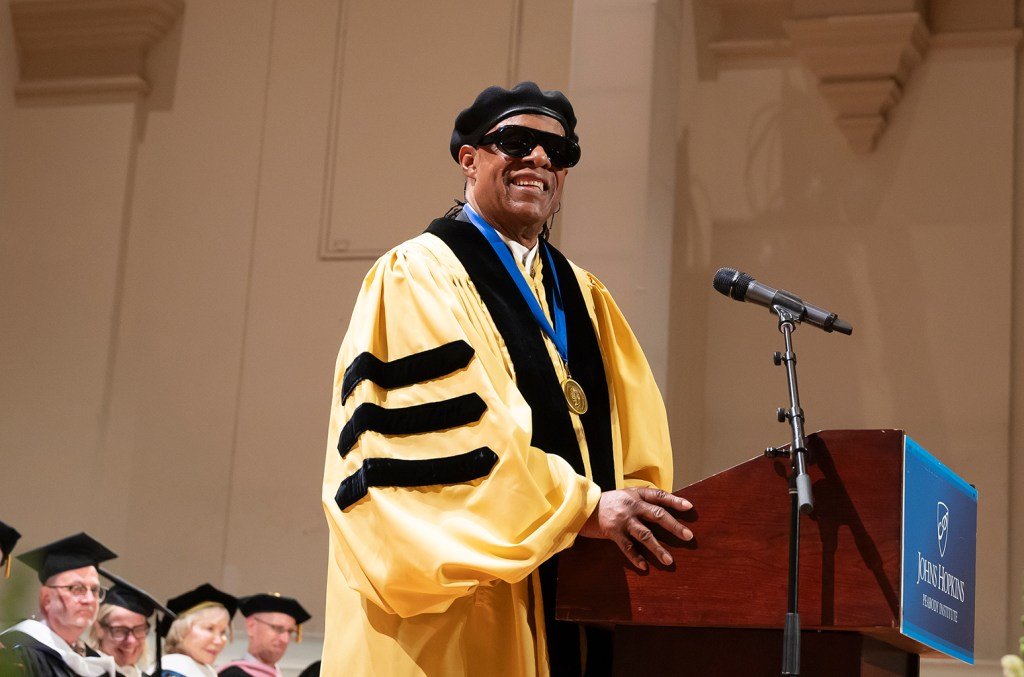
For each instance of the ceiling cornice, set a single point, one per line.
(82, 48)
(862, 52)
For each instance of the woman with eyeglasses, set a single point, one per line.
(121, 628)
(200, 632)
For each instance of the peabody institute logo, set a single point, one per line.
(942, 526)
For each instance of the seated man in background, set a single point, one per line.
(270, 621)
(68, 601)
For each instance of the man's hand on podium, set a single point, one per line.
(621, 515)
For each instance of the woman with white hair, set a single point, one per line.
(199, 634)
(121, 628)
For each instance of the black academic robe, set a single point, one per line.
(24, 655)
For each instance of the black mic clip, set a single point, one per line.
(789, 309)
(785, 452)
(785, 301)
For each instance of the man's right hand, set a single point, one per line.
(621, 515)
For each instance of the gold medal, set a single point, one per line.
(575, 396)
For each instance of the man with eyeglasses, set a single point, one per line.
(122, 626)
(490, 405)
(68, 601)
(271, 621)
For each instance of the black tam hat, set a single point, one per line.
(273, 603)
(73, 552)
(494, 104)
(8, 538)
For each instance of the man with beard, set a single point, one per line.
(270, 621)
(490, 405)
(68, 602)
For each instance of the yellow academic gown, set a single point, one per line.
(438, 575)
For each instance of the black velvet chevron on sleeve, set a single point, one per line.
(404, 371)
(395, 472)
(419, 418)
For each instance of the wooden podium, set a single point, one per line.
(720, 608)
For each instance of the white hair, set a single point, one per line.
(183, 624)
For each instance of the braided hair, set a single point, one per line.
(456, 209)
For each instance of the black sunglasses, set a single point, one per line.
(516, 141)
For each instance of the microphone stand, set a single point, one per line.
(801, 500)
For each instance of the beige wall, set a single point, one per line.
(176, 274)
(173, 293)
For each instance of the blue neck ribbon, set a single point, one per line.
(557, 334)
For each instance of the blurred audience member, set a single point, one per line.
(68, 601)
(200, 633)
(121, 629)
(270, 621)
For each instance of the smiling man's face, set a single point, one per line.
(515, 195)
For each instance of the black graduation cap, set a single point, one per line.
(273, 602)
(8, 537)
(73, 552)
(128, 596)
(189, 600)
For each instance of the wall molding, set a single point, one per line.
(333, 246)
(1006, 37)
(862, 61)
(335, 243)
(70, 49)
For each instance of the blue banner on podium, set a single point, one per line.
(940, 524)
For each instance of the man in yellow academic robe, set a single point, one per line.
(490, 405)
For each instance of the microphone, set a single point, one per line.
(742, 287)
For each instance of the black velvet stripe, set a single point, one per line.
(395, 472)
(419, 418)
(587, 367)
(537, 381)
(417, 368)
(535, 376)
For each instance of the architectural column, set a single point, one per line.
(72, 80)
(618, 216)
(1015, 471)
